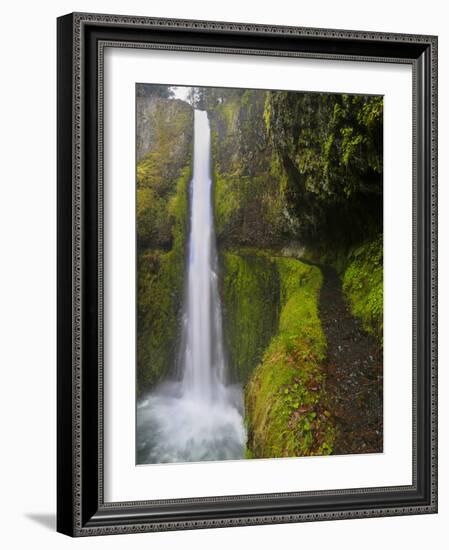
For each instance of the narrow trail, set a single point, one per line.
(354, 373)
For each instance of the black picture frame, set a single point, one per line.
(81, 509)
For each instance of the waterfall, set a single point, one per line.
(202, 353)
(200, 416)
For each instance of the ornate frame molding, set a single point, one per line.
(81, 510)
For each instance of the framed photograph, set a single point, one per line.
(247, 281)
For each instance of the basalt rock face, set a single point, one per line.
(330, 148)
(248, 199)
(164, 156)
(296, 167)
(158, 119)
(164, 148)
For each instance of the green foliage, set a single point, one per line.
(285, 396)
(363, 285)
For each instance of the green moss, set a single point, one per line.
(226, 202)
(159, 300)
(336, 257)
(334, 140)
(250, 295)
(247, 198)
(363, 285)
(178, 211)
(330, 146)
(159, 170)
(230, 111)
(160, 293)
(247, 209)
(153, 224)
(277, 347)
(172, 127)
(160, 166)
(285, 397)
(249, 454)
(163, 174)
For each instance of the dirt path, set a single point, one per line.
(354, 373)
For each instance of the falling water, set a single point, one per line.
(198, 417)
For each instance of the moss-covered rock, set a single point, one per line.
(164, 172)
(247, 196)
(330, 147)
(160, 289)
(363, 285)
(164, 149)
(296, 166)
(247, 210)
(250, 294)
(285, 398)
(277, 349)
(164, 129)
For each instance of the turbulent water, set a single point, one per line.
(198, 416)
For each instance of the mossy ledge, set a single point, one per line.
(281, 361)
(360, 270)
